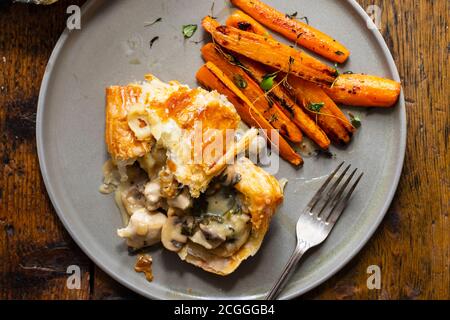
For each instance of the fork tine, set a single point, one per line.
(335, 216)
(330, 193)
(317, 195)
(337, 196)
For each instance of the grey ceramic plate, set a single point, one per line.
(112, 47)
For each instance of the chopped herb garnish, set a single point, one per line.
(326, 153)
(292, 16)
(231, 59)
(153, 41)
(212, 10)
(316, 106)
(336, 70)
(240, 81)
(208, 217)
(148, 24)
(273, 118)
(355, 120)
(268, 81)
(189, 30)
(305, 18)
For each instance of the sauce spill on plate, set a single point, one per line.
(144, 264)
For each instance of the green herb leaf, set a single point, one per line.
(316, 106)
(153, 41)
(355, 120)
(326, 153)
(239, 81)
(268, 81)
(273, 118)
(305, 18)
(336, 70)
(148, 24)
(292, 16)
(189, 30)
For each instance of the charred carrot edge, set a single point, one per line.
(294, 30)
(364, 91)
(271, 111)
(258, 71)
(349, 89)
(330, 118)
(270, 52)
(290, 108)
(333, 121)
(244, 22)
(213, 78)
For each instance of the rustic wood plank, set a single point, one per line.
(35, 249)
(412, 246)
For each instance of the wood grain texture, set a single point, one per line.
(412, 246)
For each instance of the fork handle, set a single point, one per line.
(281, 282)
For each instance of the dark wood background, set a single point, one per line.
(412, 246)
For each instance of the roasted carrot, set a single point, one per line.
(289, 106)
(320, 106)
(211, 77)
(271, 111)
(240, 20)
(294, 30)
(270, 52)
(364, 91)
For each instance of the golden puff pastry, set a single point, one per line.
(120, 140)
(213, 210)
(260, 194)
(174, 116)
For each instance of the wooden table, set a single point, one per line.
(412, 246)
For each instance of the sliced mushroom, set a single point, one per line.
(215, 231)
(240, 226)
(199, 237)
(172, 234)
(133, 199)
(230, 177)
(144, 228)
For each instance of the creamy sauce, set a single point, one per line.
(144, 265)
(111, 178)
(220, 202)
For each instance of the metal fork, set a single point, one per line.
(318, 219)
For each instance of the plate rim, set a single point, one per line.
(399, 163)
